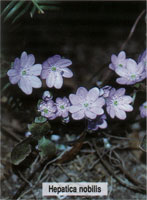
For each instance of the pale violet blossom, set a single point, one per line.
(99, 122)
(143, 110)
(117, 104)
(86, 103)
(25, 73)
(47, 95)
(54, 69)
(48, 109)
(62, 107)
(118, 61)
(104, 91)
(131, 74)
(143, 59)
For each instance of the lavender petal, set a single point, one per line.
(78, 115)
(25, 86)
(50, 81)
(58, 81)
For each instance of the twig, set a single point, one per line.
(23, 186)
(111, 171)
(112, 159)
(117, 137)
(51, 171)
(110, 188)
(132, 29)
(26, 192)
(50, 162)
(126, 173)
(34, 164)
(70, 178)
(27, 182)
(11, 134)
(90, 167)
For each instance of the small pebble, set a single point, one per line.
(55, 137)
(28, 133)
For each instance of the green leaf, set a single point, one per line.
(3, 72)
(33, 11)
(42, 2)
(134, 96)
(39, 102)
(137, 85)
(13, 10)
(9, 6)
(12, 64)
(37, 6)
(22, 12)
(20, 152)
(46, 147)
(40, 120)
(43, 7)
(143, 144)
(39, 130)
(5, 87)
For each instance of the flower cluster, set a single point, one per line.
(89, 105)
(129, 71)
(25, 73)
(51, 109)
(86, 104)
(117, 103)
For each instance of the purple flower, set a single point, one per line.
(62, 107)
(143, 59)
(117, 103)
(86, 104)
(54, 69)
(66, 120)
(99, 122)
(25, 73)
(48, 109)
(143, 110)
(104, 91)
(47, 95)
(132, 74)
(118, 61)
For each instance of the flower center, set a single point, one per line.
(145, 106)
(86, 105)
(45, 110)
(24, 72)
(53, 69)
(115, 103)
(133, 76)
(120, 65)
(62, 107)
